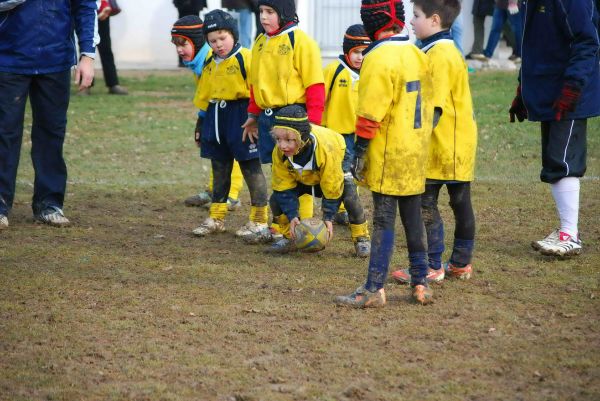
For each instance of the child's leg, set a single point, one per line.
(382, 240)
(434, 225)
(356, 214)
(257, 185)
(221, 185)
(306, 206)
(414, 229)
(237, 181)
(464, 233)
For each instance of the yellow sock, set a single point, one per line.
(259, 214)
(210, 182)
(218, 211)
(237, 181)
(306, 207)
(359, 230)
(342, 208)
(284, 225)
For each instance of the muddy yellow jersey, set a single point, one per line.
(198, 76)
(324, 169)
(283, 66)
(454, 141)
(341, 97)
(225, 79)
(395, 90)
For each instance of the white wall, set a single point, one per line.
(141, 39)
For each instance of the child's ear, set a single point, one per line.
(436, 20)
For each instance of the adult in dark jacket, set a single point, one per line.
(37, 51)
(560, 87)
(245, 12)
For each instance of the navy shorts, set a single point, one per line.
(222, 132)
(563, 149)
(266, 144)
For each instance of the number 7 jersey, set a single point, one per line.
(396, 91)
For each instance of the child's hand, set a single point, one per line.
(517, 108)
(567, 100)
(198, 131)
(295, 221)
(84, 73)
(358, 168)
(329, 226)
(513, 9)
(250, 130)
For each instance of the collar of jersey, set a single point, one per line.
(236, 49)
(398, 39)
(292, 27)
(443, 36)
(311, 162)
(353, 72)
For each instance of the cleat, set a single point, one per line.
(361, 298)
(563, 245)
(461, 273)
(200, 199)
(341, 218)
(282, 246)
(209, 226)
(53, 216)
(402, 276)
(537, 245)
(255, 233)
(275, 234)
(422, 294)
(233, 204)
(362, 247)
(118, 90)
(3, 222)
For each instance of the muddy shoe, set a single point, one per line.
(563, 245)
(198, 200)
(282, 246)
(422, 294)
(341, 218)
(209, 226)
(233, 204)
(118, 90)
(402, 276)
(362, 247)
(461, 273)
(53, 216)
(361, 298)
(3, 222)
(255, 233)
(553, 236)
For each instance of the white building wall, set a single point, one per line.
(141, 39)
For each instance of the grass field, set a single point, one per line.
(127, 305)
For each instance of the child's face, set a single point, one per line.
(269, 19)
(184, 47)
(221, 42)
(286, 140)
(423, 27)
(355, 57)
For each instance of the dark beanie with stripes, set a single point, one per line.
(355, 36)
(286, 9)
(293, 117)
(190, 28)
(380, 15)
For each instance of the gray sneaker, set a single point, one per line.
(3, 222)
(361, 298)
(53, 216)
(198, 200)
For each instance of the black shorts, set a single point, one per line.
(563, 149)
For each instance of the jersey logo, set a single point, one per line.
(232, 70)
(284, 50)
(343, 83)
(260, 47)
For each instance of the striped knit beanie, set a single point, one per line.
(294, 118)
(379, 15)
(355, 36)
(190, 28)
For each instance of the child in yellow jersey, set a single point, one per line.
(307, 159)
(393, 130)
(453, 144)
(342, 77)
(189, 40)
(223, 100)
(286, 69)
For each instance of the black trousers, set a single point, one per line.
(106, 55)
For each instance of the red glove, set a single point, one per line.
(517, 108)
(566, 102)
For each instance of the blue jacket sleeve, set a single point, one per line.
(288, 202)
(330, 208)
(579, 20)
(86, 24)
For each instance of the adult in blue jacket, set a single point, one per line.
(560, 87)
(37, 51)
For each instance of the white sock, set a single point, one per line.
(566, 197)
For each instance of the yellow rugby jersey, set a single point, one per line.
(197, 79)
(324, 169)
(281, 70)
(454, 141)
(395, 91)
(223, 79)
(341, 101)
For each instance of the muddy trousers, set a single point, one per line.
(464, 232)
(253, 175)
(382, 239)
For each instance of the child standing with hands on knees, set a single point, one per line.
(223, 99)
(453, 144)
